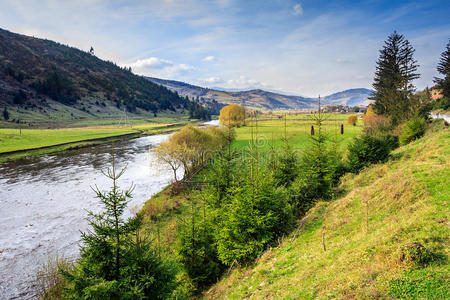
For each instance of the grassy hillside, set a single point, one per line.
(48, 81)
(386, 236)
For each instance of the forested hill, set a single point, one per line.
(36, 74)
(260, 99)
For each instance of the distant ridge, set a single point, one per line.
(268, 100)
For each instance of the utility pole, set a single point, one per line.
(125, 119)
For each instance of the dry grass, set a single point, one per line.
(49, 280)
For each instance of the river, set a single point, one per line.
(44, 202)
(445, 117)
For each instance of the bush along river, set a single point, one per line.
(44, 202)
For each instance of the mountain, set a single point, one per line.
(352, 97)
(260, 99)
(45, 78)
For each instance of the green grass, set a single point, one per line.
(54, 149)
(407, 200)
(298, 131)
(427, 283)
(11, 140)
(82, 134)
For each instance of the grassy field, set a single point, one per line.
(386, 237)
(11, 140)
(298, 130)
(82, 134)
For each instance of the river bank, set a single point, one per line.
(45, 200)
(35, 142)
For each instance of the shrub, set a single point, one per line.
(414, 129)
(251, 219)
(198, 252)
(442, 103)
(49, 280)
(376, 123)
(317, 175)
(286, 168)
(352, 120)
(369, 149)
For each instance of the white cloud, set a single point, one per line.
(209, 58)
(243, 82)
(160, 67)
(184, 67)
(298, 9)
(213, 80)
(152, 62)
(340, 60)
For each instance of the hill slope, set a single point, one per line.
(352, 97)
(45, 77)
(403, 252)
(261, 99)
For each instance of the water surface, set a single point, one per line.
(44, 202)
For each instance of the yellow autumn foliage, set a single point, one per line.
(232, 115)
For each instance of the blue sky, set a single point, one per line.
(299, 47)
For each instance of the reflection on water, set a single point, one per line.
(43, 203)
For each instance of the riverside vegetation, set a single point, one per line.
(287, 207)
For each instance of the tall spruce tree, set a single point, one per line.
(396, 69)
(444, 69)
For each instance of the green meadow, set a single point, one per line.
(79, 134)
(11, 140)
(270, 130)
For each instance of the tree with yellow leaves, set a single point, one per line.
(168, 153)
(352, 120)
(232, 115)
(190, 147)
(372, 121)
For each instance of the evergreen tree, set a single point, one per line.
(116, 263)
(319, 169)
(286, 170)
(223, 169)
(396, 69)
(5, 114)
(444, 69)
(197, 249)
(248, 221)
